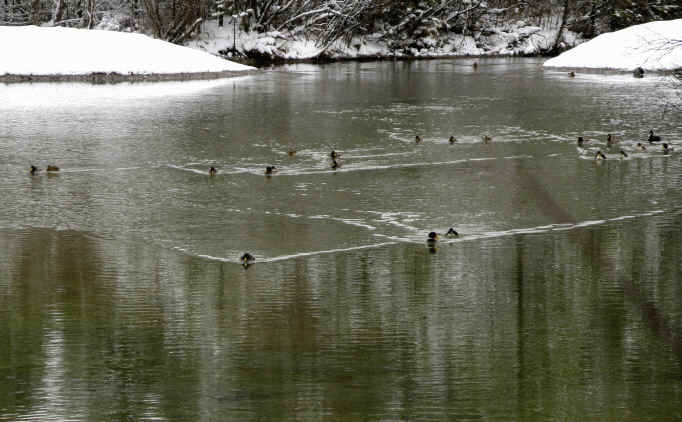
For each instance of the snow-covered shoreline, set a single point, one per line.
(654, 46)
(36, 53)
(515, 39)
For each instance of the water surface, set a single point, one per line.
(122, 297)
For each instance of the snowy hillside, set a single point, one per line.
(31, 50)
(652, 46)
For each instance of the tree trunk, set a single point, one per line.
(562, 27)
(58, 11)
(35, 12)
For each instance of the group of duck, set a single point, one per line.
(611, 141)
(432, 240)
(270, 170)
(50, 169)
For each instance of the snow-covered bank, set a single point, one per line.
(517, 38)
(55, 52)
(650, 46)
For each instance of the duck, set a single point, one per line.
(653, 138)
(486, 139)
(247, 259)
(335, 164)
(33, 170)
(333, 155)
(475, 65)
(623, 154)
(52, 168)
(432, 239)
(581, 141)
(270, 169)
(571, 74)
(291, 152)
(451, 233)
(417, 139)
(611, 140)
(638, 72)
(452, 140)
(212, 171)
(667, 149)
(639, 147)
(599, 156)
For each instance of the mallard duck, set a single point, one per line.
(611, 140)
(452, 140)
(486, 139)
(52, 168)
(33, 170)
(639, 147)
(212, 171)
(623, 154)
(247, 259)
(417, 139)
(599, 156)
(270, 169)
(638, 72)
(452, 233)
(571, 74)
(432, 239)
(581, 141)
(291, 152)
(653, 138)
(667, 149)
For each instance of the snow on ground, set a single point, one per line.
(647, 46)
(515, 38)
(31, 50)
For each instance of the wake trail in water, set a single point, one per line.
(394, 240)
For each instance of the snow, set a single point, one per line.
(31, 50)
(511, 39)
(646, 46)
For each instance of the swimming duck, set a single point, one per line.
(291, 152)
(432, 239)
(247, 259)
(33, 170)
(623, 154)
(333, 155)
(486, 139)
(571, 74)
(475, 65)
(417, 139)
(667, 149)
(638, 72)
(52, 168)
(599, 156)
(270, 169)
(451, 233)
(611, 140)
(212, 171)
(653, 138)
(581, 141)
(639, 147)
(452, 140)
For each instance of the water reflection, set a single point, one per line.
(574, 323)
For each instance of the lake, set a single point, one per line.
(122, 296)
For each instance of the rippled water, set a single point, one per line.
(121, 296)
